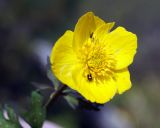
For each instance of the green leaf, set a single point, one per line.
(11, 114)
(12, 122)
(36, 115)
(41, 87)
(72, 101)
(51, 76)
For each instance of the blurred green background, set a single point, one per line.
(28, 30)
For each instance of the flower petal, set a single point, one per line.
(103, 30)
(99, 92)
(83, 29)
(98, 21)
(63, 58)
(123, 45)
(123, 80)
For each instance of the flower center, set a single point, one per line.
(98, 64)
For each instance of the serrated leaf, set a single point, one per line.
(36, 99)
(11, 114)
(36, 115)
(51, 76)
(72, 101)
(8, 123)
(1, 115)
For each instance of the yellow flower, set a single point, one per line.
(94, 61)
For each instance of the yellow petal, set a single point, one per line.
(110, 25)
(98, 21)
(103, 30)
(63, 58)
(123, 80)
(99, 92)
(123, 45)
(83, 29)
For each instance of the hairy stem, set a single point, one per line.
(55, 95)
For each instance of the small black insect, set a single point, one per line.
(89, 77)
(91, 35)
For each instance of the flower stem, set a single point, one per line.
(55, 95)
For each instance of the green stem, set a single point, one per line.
(55, 95)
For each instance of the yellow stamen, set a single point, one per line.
(97, 63)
